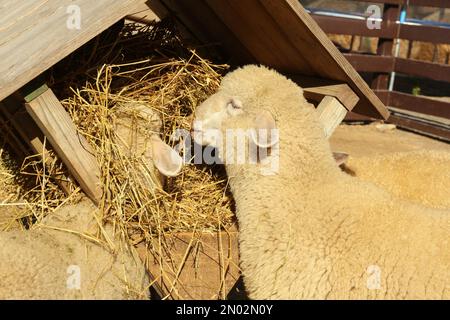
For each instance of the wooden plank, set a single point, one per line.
(34, 34)
(418, 126)
(341, 25)
(10, 137)
(341, 92)
(374, 63)
(331, 113)
(260, 34)
(388, 30)
(427, 3)
(72, 148)
(430, 70)
(419, 104)
(210, 268)
(145, 14)
(316, 89)
(370, 63)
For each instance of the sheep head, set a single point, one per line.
(231, 114)
(263, 104)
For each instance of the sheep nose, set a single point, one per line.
(196, 126)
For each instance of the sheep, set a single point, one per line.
(421, 177)
(308, 230)
(60, 259)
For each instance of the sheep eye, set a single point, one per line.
(234, 104)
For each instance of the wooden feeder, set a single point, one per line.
(276, 33)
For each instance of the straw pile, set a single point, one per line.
(28, 189)
(171, 82)
(146, 65)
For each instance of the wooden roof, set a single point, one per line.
(34, 34)
(276, 33)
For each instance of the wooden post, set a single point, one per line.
(391, 13)
(72, 148)
(334, 100)
(331, 113)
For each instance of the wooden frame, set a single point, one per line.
(384, 63)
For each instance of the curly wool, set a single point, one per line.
(40, 263)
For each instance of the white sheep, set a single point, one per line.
(422, 177)
(309, 230)
(61, 258)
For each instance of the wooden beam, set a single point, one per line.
(10, 137)
(417, 125)
(331, 113)
(341, 92)
(144, 14)
(316, 89)
(71, 147)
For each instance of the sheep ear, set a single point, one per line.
(264, 133)
(340, 157)
(166, 159)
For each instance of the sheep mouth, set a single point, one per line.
(198, 136)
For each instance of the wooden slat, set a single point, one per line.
(434, 71)
(71, 147)
(388, 29)
(419, 104)
(418, 126)
(10, 137)
(260, 34)
(34, 34)
(370, 63)
(432, 34)
(341, 92)
(427, 3)
(331, 113)
(374, 63)
(30, 133)
(340, 25)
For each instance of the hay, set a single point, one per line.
(29, 191)
(172, 81)
(171, 86)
